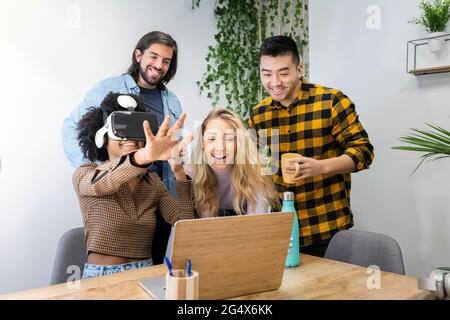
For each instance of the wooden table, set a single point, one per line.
(315, 278)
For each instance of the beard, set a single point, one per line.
(150, 81)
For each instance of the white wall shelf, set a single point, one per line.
(416, 53)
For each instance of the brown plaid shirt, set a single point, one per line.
(119, 221)
(321, 123)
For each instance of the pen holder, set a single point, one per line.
(181, 287)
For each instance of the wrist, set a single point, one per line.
(179, 171)
(137, 160)
(324, 167)
(180, 175)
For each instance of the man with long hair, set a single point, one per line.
(154, 64)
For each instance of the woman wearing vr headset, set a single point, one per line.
(226, 169)
(118, 197)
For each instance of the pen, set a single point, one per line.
(188, 268)
(169, 266)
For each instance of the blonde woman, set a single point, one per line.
(225, 168)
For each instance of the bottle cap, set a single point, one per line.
(288, 196)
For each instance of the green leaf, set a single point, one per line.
(434, 143)
(232, 62)
(434, 15)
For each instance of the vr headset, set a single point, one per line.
(126, 125)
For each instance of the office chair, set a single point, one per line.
(71, 251)
(366, 248)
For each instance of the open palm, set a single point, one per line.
(164, 145)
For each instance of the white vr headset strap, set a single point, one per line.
(127, 102)
(100, 136)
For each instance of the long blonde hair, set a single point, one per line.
(246, 180)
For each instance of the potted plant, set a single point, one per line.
(434, 17)
(435, 143)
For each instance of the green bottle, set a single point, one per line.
(293, 256)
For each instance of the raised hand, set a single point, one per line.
(176, 161)
(164, 144)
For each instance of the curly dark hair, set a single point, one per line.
(94, 119)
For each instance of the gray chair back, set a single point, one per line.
(71, 251)
(366, 248)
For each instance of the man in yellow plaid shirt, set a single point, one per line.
(322, 125)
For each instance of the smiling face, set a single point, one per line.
(219, 143)
(154, 63)
(116, 149)
(280, 76)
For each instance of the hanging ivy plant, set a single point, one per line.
(232, 72)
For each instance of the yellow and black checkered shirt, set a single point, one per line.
(321, 123)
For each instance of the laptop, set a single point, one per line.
(234, 256)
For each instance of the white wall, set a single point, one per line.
(47, 64)
(369, 66)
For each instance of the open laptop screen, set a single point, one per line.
(234, 255)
